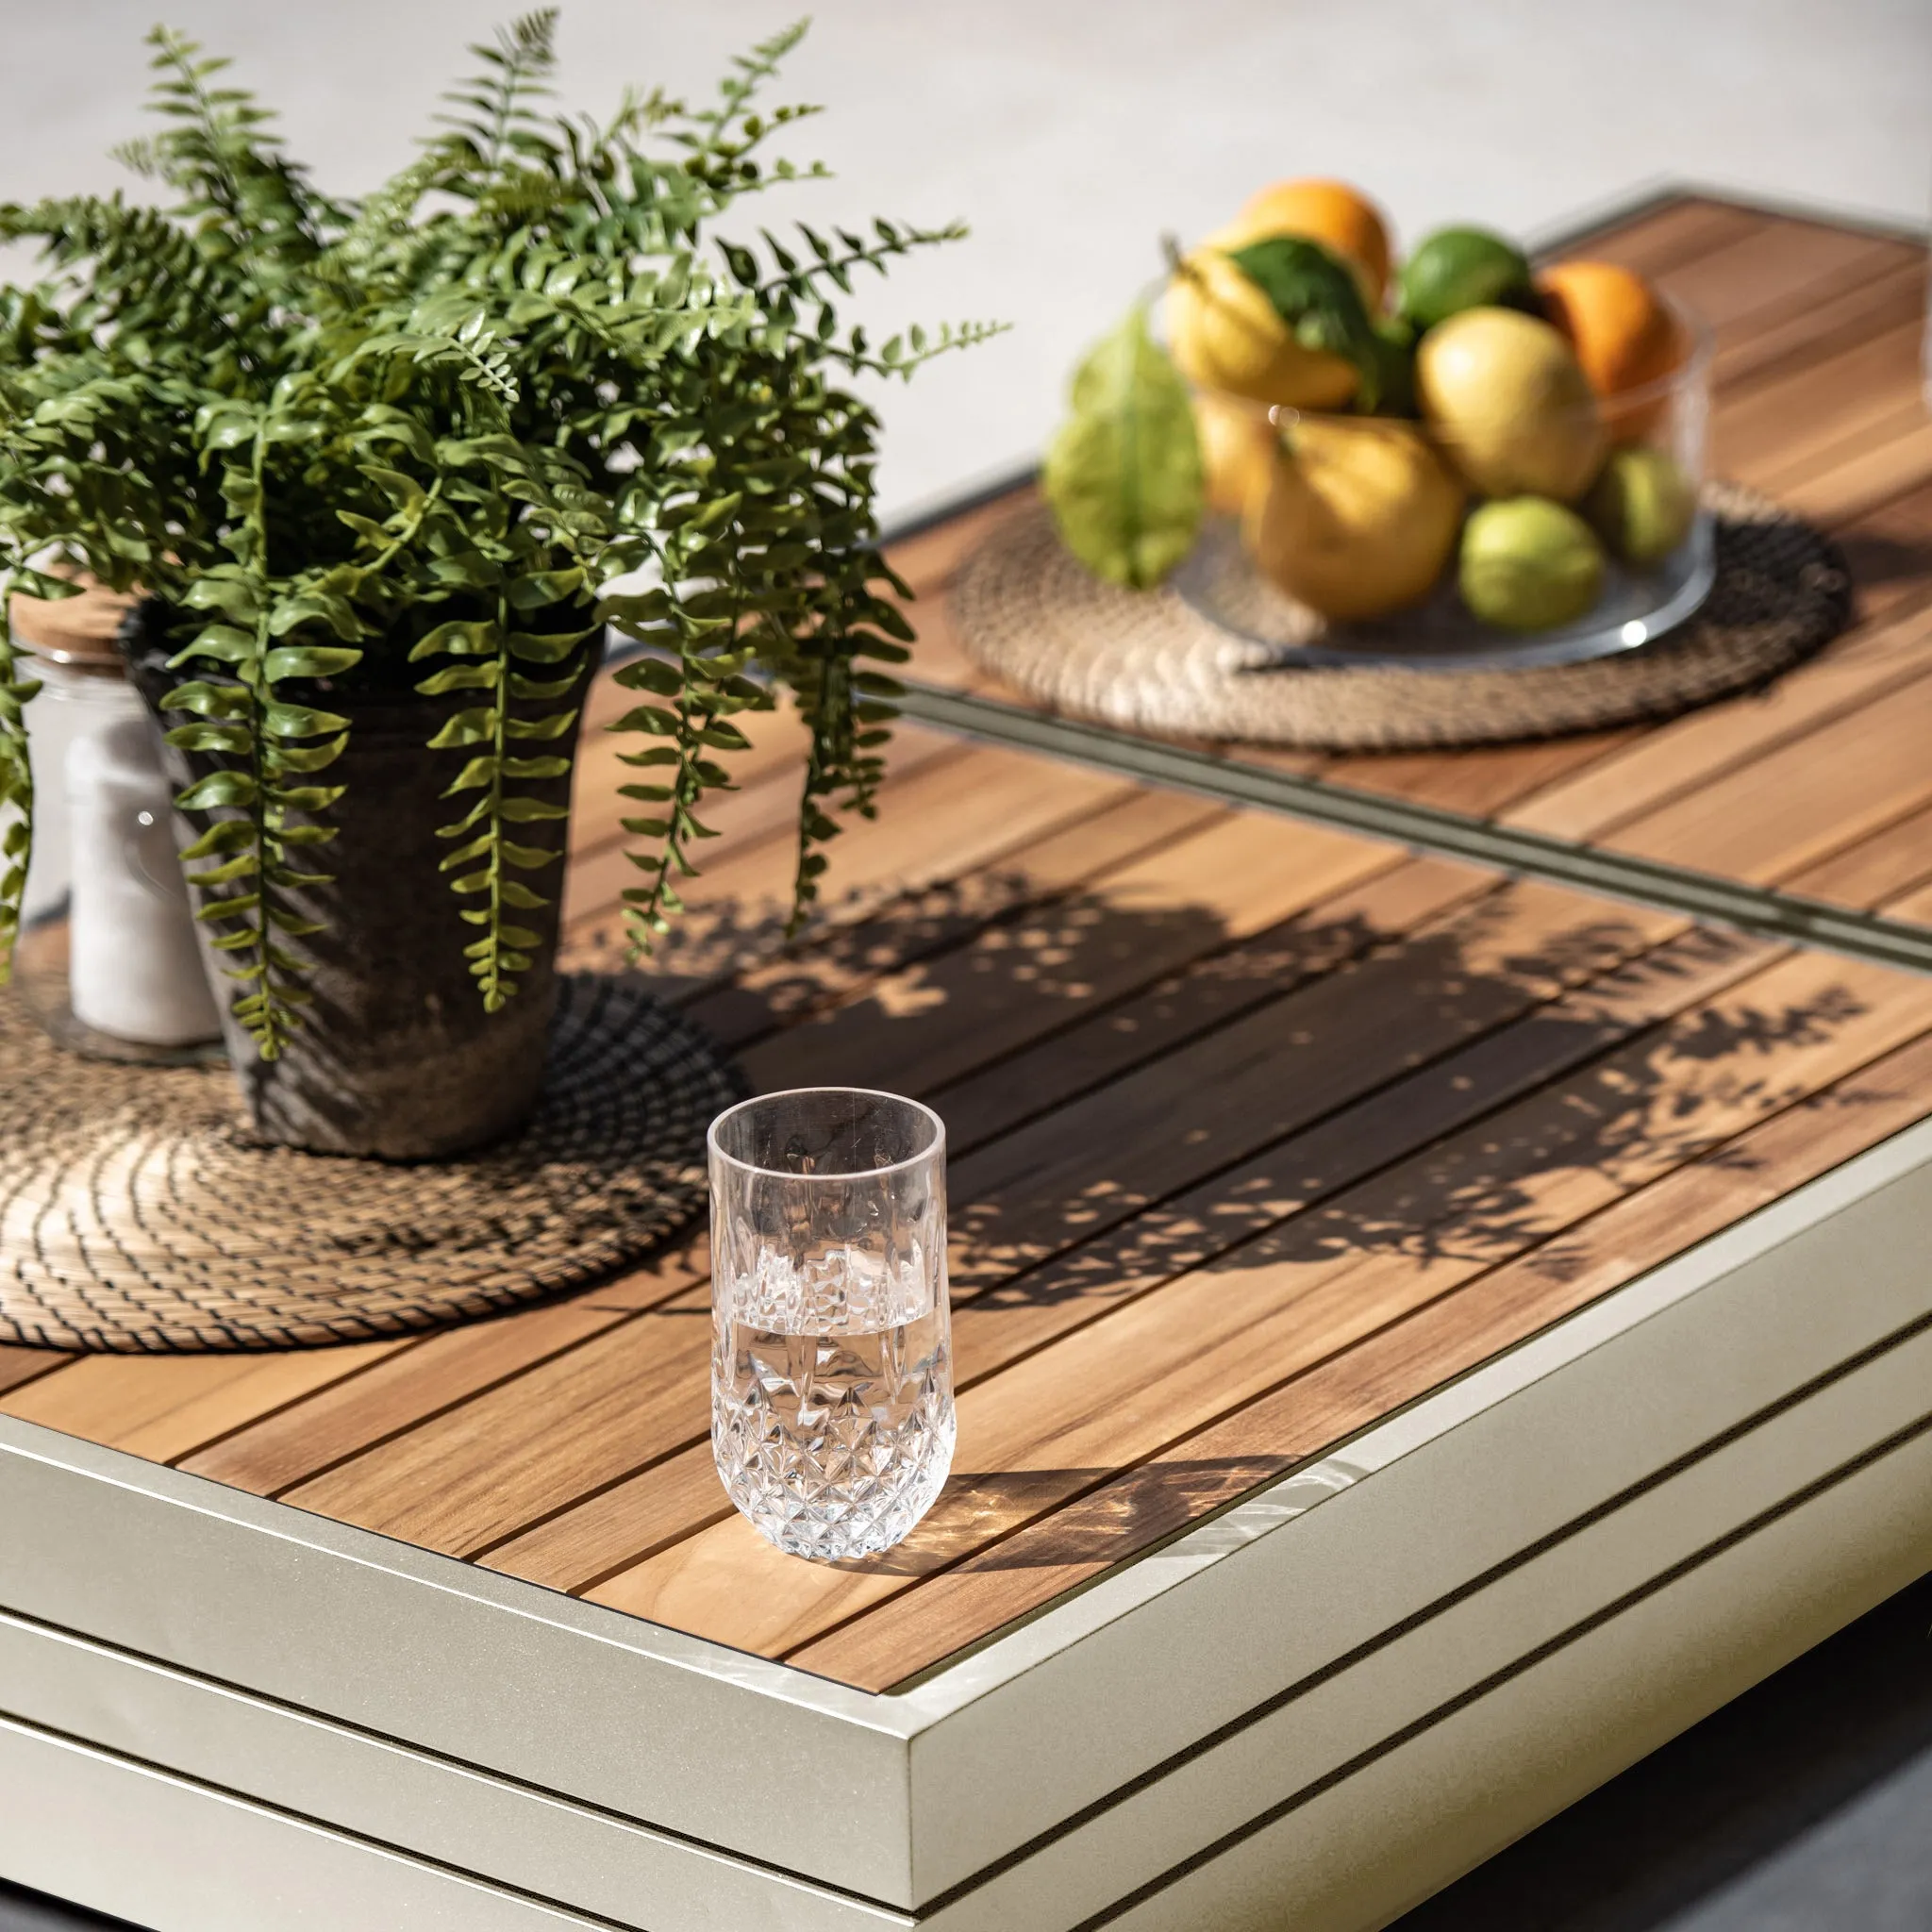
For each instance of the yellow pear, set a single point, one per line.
(1237, 447)
(1509, 405)
(1225, 334)
(1359, 519)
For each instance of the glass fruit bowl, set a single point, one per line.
(1526, 521)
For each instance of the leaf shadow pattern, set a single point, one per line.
(1108, 1518)
(1352, 1070)
(1147, 1059)
(863, 932)
(1877, 557)
(1480, 1156)
(1345, 1086)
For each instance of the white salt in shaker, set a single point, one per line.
(69, 642)
(134, 969)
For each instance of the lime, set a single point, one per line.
(1528, 563)
(1456, 269)
(1642, 504)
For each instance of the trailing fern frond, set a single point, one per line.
(16, 794)
(495, 111)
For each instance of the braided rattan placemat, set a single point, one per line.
(136, 1215)
(1147, 661)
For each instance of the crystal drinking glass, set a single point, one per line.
(831, 1359)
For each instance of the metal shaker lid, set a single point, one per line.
(75, 631)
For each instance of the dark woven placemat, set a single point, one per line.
(1148, 662)
(136, 1215)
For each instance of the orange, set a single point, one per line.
(1326, 211)
(1623, 335)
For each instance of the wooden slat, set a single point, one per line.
(1227, 1207)
(1879, 873)
(1754, 280)
(1101, 1047)
(1867, 471)
(825, 969)
(167, 1406)
(1819, 319)
(1657, 240)
(329, 1427)
(1914, 905)
(1097, 1161)
(1807, 799)
(613, 1530)
(990, 802)
(19, 1366)
(1481, 781)
(472, 1477)
(1649, 773)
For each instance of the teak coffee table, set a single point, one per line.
(1436, 1313)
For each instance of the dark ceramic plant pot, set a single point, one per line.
(395, 1056)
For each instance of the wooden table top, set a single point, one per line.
(1821, 787)
(1260, 1129)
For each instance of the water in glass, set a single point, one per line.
(834, 1415)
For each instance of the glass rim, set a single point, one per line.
(1685, 377)
(938, 1146)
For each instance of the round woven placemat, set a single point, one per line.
(137, 1216)
(1028, 612)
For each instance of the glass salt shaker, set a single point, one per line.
(105, 861)
(133, 966)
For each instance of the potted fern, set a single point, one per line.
(373, 465)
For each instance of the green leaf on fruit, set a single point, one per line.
(1123, 474)
(1315, 294)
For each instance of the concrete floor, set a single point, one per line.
(1074, 134)
(1804, 1806)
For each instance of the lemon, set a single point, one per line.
(1224, 333)
(1528, 564)
(1507, 400)
(1358, 517)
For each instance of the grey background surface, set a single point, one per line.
(1073, 133)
